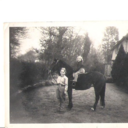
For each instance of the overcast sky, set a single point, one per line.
(95, 31)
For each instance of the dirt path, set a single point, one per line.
(39, 106)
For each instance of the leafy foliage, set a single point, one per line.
(87, 44)
(120, 67)
(63, 43)
(93, 62)
(30, 56)
(111, 36)
(15, 70)
(32, 73)
(15, 33)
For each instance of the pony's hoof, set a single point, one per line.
(69, 108)
(102, 107)
(92, 109)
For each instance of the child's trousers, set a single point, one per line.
(60, 95)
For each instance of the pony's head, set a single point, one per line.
(58, 64)
(55, 66)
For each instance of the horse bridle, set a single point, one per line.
(54, 64)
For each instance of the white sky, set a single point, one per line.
(31, 42)
(95, 31)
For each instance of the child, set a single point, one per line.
(62, 82)
(79, 68)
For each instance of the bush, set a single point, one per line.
(15, 70)
(120, 68)
(32, 73)
(93, 64)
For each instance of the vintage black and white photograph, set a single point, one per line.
(69, 72)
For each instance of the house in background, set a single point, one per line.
(114, 52)
(107, 70)
(115, 49)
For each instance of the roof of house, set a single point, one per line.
(120, 41)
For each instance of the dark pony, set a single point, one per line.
(85, 81)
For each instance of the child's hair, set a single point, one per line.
(79, 57)
(63, 69)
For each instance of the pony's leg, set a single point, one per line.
(70, 105)
(96, 101)
(102, 97)
(60, 105)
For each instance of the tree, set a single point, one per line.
(87, 44)
(16, 33)
(54, 41)
(73, 48)
(94, 61)
(111, 36)
(30, 56)
(118, 65)
(63, 43)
